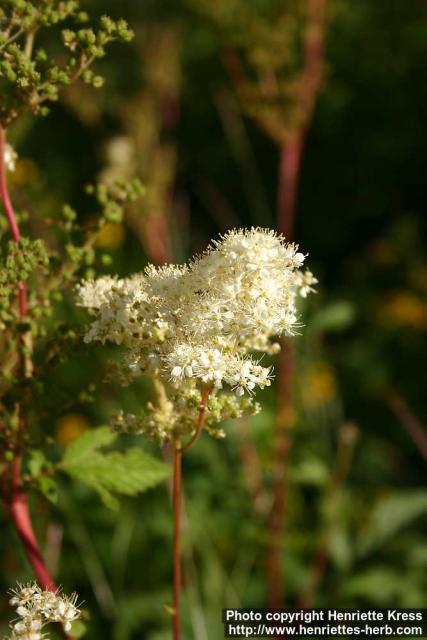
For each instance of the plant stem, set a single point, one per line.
(11, 218)
(282, 445)
(287, 190)
(177, 495)
(291, 153)
(20, 515)
(176, 501)
(17, 499)
(200, 420)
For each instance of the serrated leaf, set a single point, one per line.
(88, 443)
(132, 471)
(110, 473)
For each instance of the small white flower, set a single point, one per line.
(37, 608)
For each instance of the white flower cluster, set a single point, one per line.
(36, 608)
(10, 157)
(201, 322)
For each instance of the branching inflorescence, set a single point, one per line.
(196, 326)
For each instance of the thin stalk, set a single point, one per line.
(282, 444)
(11, 218)
(291, 154)
(177, 514)
(177, 496)
(200, 419)
(18, 499)
(5, 197)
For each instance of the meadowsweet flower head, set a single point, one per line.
(36, 608)
(201, 324)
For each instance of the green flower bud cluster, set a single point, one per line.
(18, 263)
(112, 198)
(177, 417)
(29, 77)
(80, 243)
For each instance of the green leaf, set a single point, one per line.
(390, 515)
(380, 585)
(48, 487)
(110, 473)
(340, 549)
(311, 472)
(36, 462)
(88, 443)
(336, 316)
(39, 467)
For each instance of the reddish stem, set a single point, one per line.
(11, 218)
(200, 419)
(7, 204)
(176, 500)
(20, 514)
(276, 519)
(18, 499)
(177, 491)
(287, 189)
(291, 153)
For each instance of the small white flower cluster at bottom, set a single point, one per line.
(36, 608)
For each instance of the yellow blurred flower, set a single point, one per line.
(111, 236)
(403, 309)
(70, 427)
(318, 385)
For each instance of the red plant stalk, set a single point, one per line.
(20, 514)
(18, 499)
(291, 153)
(276, 518)
(11, 218)
(177, 495)
(177, 515)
